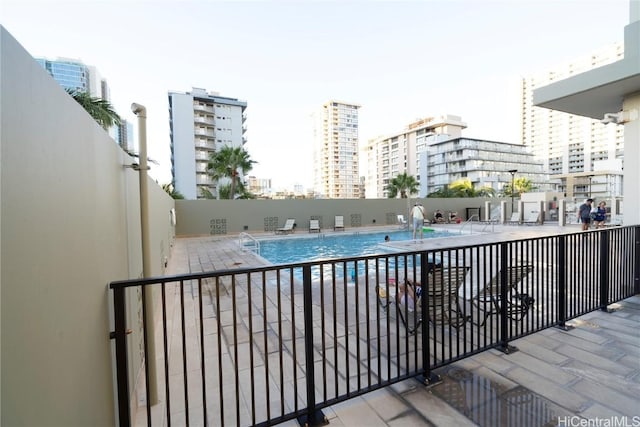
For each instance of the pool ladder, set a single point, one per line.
(470, 222)
(248, 243)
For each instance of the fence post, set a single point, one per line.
(504, 306)
(562, 283)
(122, 369)
(636, 269)
(604, 270)
(314, 417)
(428, 377)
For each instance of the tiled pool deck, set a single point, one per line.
(566, 378)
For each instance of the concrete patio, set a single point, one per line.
(557, 378)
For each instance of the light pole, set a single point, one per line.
(513, 174)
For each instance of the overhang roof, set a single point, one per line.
(592, 93)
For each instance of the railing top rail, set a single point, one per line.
(218, 273)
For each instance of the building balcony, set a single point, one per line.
(204, 121)
(203, 108)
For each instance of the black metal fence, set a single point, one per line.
(260, 346)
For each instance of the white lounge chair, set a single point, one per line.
(314, 226)
(339, 223)
(287, 228)
(515, 218)
(402, 222)
(532, 218)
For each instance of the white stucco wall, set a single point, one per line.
(202, 217)
(69, 226)
(631, 190)
(183, 145)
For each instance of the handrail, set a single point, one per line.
(470, 222)
(254, 244)
(287, 318)
(492, 222)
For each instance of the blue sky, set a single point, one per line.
(399, 60)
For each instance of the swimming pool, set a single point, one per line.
(291, 250)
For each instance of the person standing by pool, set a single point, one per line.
(600, 215)
(417, 216)
(584, 214)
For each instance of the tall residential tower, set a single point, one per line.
(385, 157)
(335, 154)
(201, 123)
(567, 143)
(73, 74)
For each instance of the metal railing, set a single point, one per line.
(470, 222)
(248, 243)
(261, 346)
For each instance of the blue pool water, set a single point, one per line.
(290, 250)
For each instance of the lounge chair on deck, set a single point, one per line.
(532, 218)
(339, 223)
(402, 222)
(515, 218)
(443, 299)
(314, 226)
(287, 228)
(489, 299)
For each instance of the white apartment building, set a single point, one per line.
(566, 143)
(335, 151)
(74, 74)
(384, 157)
(201, 122)
(485, 163)
(261, 187)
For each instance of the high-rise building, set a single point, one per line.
(486, 164)
(566, 143)
(260, 187)
(73, 74)
(201, 123)
(335, 153)
(385, 157)
(123, 134)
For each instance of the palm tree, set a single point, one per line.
(465, 188)
(231, 163)
(241, 192)
(98, 108)
(443, 192)
(170, 190)
(402, 184)
(520, 185)
(486, 192)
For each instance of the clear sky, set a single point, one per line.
(399, 60)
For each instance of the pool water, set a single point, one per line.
(285, 251)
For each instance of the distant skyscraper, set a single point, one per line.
(385, 157)
(335, 152)
(123, 134)
(486, 164)
(201, 123)
(73, 74)
(566, 143)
